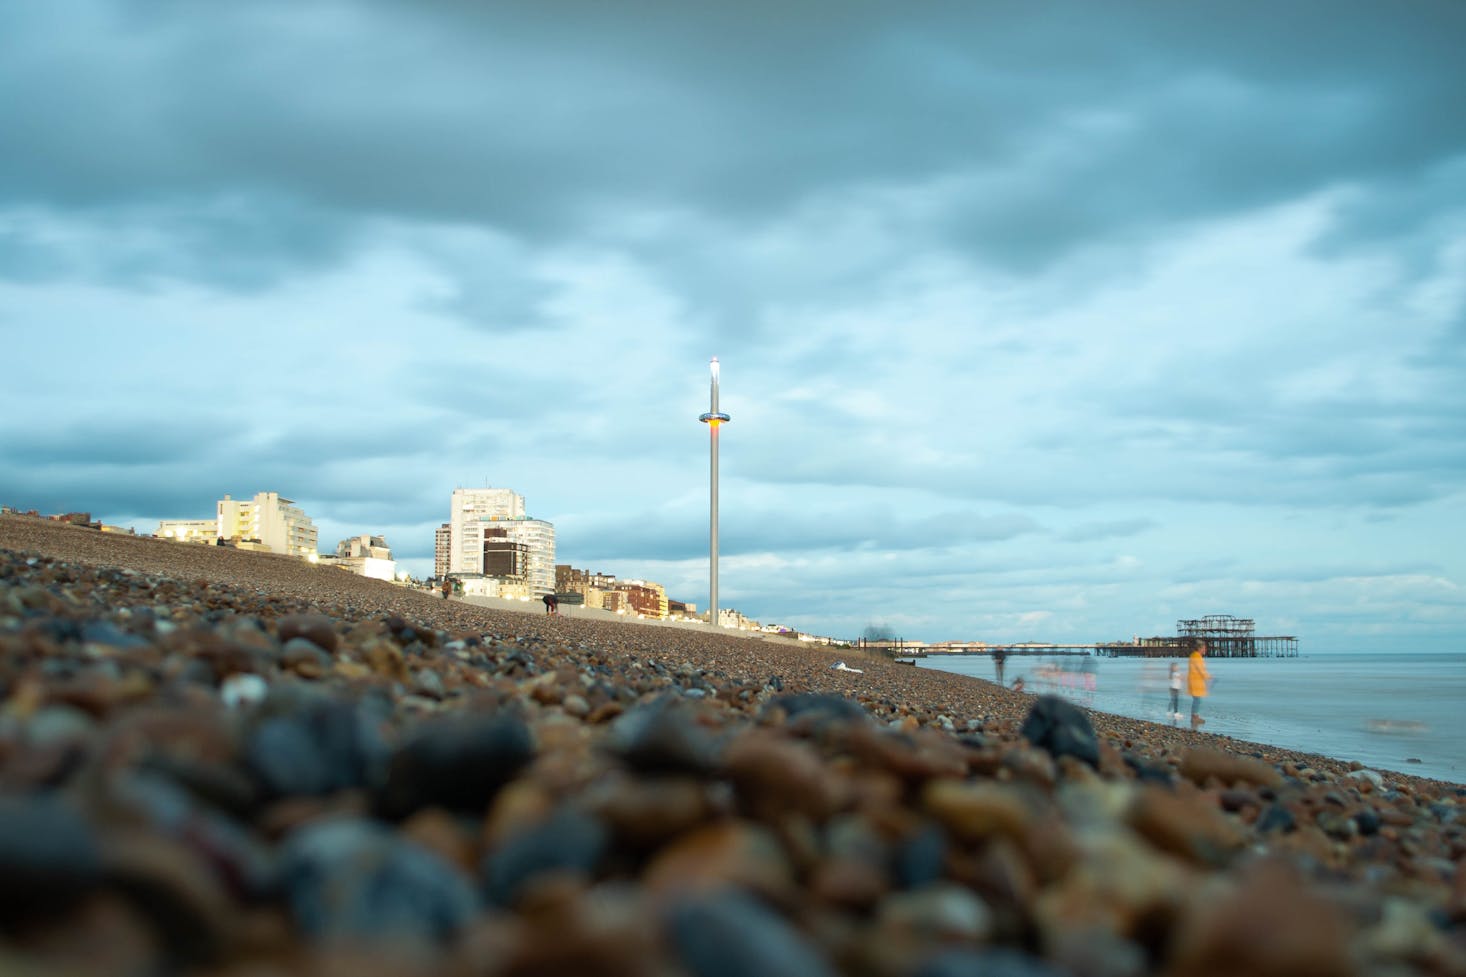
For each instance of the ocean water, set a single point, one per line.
(1402, 711)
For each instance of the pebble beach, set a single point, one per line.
(224, 762)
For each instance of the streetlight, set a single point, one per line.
(713, 418)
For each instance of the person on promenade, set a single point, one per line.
(1000, 655)
(552, 604)
(1175, 709)
(447, 587)
(1198, 681)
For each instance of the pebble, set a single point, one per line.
(458, 764)
(1061, 728)
(355, 879)
(49, 856)
(228, 762)
(731, 935)
(567, 843)
(243, 689)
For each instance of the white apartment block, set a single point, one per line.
(274, 521)
(188, 530)
(494, 512)
(539, 537)
(473, 511)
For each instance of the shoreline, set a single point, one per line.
(325, 585)
(216, 761)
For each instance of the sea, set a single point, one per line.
(1400, 711)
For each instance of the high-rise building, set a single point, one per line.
(489, 534)
(442, 550)
(274, 522)
(474, 510)
(538, 538)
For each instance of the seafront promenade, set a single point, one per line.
(224, 762)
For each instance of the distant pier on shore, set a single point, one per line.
(1225, 636)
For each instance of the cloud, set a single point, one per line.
(1058, 318)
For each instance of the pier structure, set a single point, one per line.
(1225, 636)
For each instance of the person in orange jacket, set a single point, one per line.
(1198, 681)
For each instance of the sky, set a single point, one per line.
(1037, 322)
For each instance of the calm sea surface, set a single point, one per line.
(1386, 711)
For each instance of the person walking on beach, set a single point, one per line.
(447, 587)
(552, 604)
(1198, 681)
(1000, 655)
(1175, 709)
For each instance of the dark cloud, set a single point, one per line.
(1041, 131)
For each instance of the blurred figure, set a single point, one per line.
(1198, 681)
(1090, 672)
(447, 587)
(1000, 655)
(1175, 709)
(552, 604)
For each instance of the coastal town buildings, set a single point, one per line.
(471, 512)
(442, 548)
(273, 522)
(366, 555)
(189, 530)
(495, 549)
(644, 597)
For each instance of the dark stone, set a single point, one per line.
(821, 708)
(49, 857)
(358, 879)
(568, 842)
(922, 858)
(992, 962)
(1063, 729)
(286, 760)
(731, 935)
(323, 747)
(108, 634)
(1149, 773)
(1276, 817)
(1367, 821)
(458, 764)
(661, 737)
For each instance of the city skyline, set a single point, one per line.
(1055, 324)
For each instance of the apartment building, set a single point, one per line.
(644, 597)
(490, 536)
(366, 555)
(273, 521)
(189, 530)
(473, 510)
(569, 580)
(442, 550)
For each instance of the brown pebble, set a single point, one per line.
(721, 855)
(975, 811)
(315, 628)
(773, 775)
(1269, 925)
(1188, 824)
(1201, 763)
